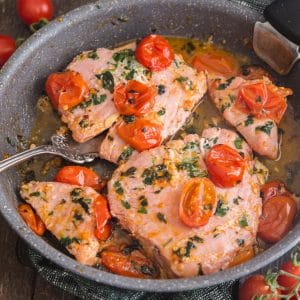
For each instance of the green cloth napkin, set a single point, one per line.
(87, 289)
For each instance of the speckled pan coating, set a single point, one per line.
(102, 24)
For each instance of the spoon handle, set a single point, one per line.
(22, 156)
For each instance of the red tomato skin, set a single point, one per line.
(272, 189)
(154, 52)
(277, 217)
(31, 11)
(7, 48)
(102, 215)
(78, 175)
(286, 281)
(225, 166)
(253, 286)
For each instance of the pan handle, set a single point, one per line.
(284, 15)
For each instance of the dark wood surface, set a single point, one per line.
(18, 281)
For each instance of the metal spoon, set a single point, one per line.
(61, 145)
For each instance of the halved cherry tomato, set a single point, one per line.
(31, 11)
(217, 62)
(66, 89)
(102, 215)
(141, 134)
(277, 217)
(272, 189)
(154, 52)
(133, 265)
(256, 285)
(134, 98)
(32, 219)
(197, 202)
(288, 282)
(225, 166)
(263, 100)
(7, 48)
(78, 175)
(242, 256)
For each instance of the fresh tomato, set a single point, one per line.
(217, 62)
(197, 202)
(272, 189)
(263, 100)
(102, 215)
(154, 52)
(66, 89)
(256, 285)
(242, 256)
(78, 175)
(134, 98)
(32, 11)
(7, 48)
(141, 134)
(225, 166)
(277, 217)
(286, 281)
(32, 219)
(133, 265)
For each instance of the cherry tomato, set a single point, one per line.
(7, 48)
(256, 285)
(154, 52)
(31, 11)
(277, 217)
(134, 98)
(217, 62)
(133, 265)
(197, 202)
(272, 189)
(78, 175)
(32, 219)
(66, 89)
(263, 100)
(225, 166)
(288, 282)
(141, 134)
(242, 256)
(102, 215)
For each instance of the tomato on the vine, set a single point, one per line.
(32, 11)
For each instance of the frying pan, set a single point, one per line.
(106, 24)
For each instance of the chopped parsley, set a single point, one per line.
(225, 106)
(77, 198)
(240, 242)
(129, 119)
(123, 54)
(197, 239)
(267, 128)
(35, 194)
(161, 89)
(185, 81)
(142, 210)
(129, 172)
(249, 120)
(162, 111)
(126, 153)
(185, 251)
(107, 80)
(84, 123)
(143, 200)
(223, 86)
(243, 221)
(154, 173)
(221, 209)
(238, 143)
(191, 165)
(208, 142)
(93, 100)
(92, 54)
(161, 217)
(66, 241)
(191, 146)
(125, 204)
(130, 74)
(118, 188)
(236, 200)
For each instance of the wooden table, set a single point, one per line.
(16, 280)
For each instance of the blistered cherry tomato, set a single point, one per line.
(7, 48)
